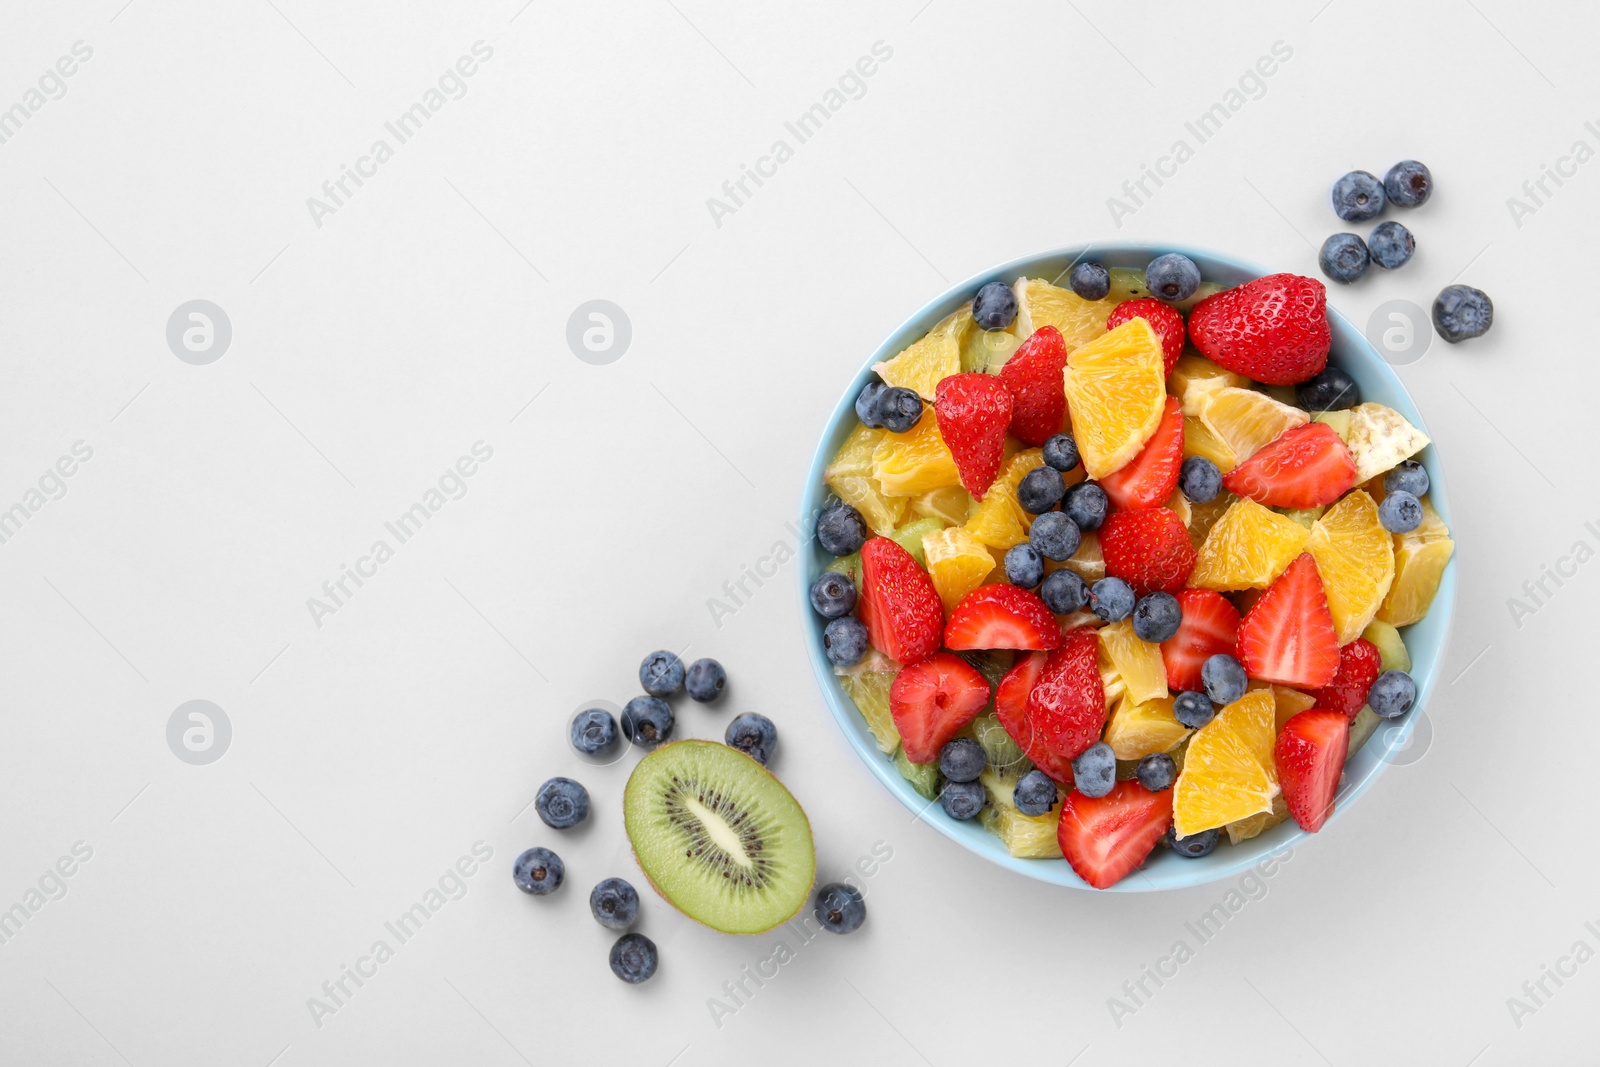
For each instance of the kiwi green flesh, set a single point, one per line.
(719, 837)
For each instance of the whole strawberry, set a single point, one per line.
(1164, 318)
(973, 412)
(1273, 329)
(1149, 549)
(1359, 665)
(1033, 375)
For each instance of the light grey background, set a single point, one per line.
(430, 312)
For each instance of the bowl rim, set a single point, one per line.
(1351, 346)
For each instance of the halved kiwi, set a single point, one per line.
(719, 837)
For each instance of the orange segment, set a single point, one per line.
(1116, 394)
(1244, 420)
(1136, 730)
(1290, 702)
(1419, 561)
(1194, 376)
(1202, 517)
(1245, 829)
(1138, 663)
(999, 521)
(951, 505)
(957, 563)
(932, 358)
(1041, 304)
(1356, 558)
(850, 476)
(1247, 548)
(1198, 440)
(916, 461)
(1228, 772)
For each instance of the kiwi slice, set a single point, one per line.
(719, 837)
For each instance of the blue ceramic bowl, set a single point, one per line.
(1425, 640)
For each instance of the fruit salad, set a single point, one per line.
(1126, 564)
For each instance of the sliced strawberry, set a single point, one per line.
(899, 605)
(1310, 757)
(1287, 637)
(973, 412)
(1163, 318)
(1033, 375)
(1359, 666)
(1106, 838)
(1210, 626)
(932, 700)
(1150, 477)
(1272, 329)
(1067, 707)
(1002, 616)
(1306, 466)
(1149, 549)
(1011, 709)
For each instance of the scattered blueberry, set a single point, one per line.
(1089, 280)
(841, 530)
(661, 673)
(1461, 312)
(1409, 477)
(562, 803)
(614, 903)
(1112, 599)
(1392, 694)
(1064, 592)
(1094, 772)
(1157, 771)
(706, 680)
(995, 306)
(962, 800)
(839, 908)
(962, 760)
(1024, 565)
(1408, 183)
(1344, 257)
(1400, 512)
(1357, 196)
(833, 594)
(1200, 480)
(634, 958)
(845, 641)
(1157, 617)
(1193, 709)
(867, 402)
(1055, 536)
(899, 408)
(1061, 452)
(1035, 793)
(754, 735)
(1086, 504)
(1172, 277)
(538, 871)
(647, 721)
(1332, 390)
(1040, 489)
(594, 731)
(1391, 245)
(1224, 679)
(1196, 845)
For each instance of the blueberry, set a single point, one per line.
(833, 594)
(562, 803)
(661, 673)
(754, 735)
(1086, 504)
(1461, 312)
(594, 731)
(1112, 599)
(647, 721)
(1224, 679)
(1061, 452)
(1089, 280)
(1344, 257)
(1094, 772)
(538, 871)
(839, 908)
(1196, 845)
(1055, 536)
(1408, 183)
(614, 904)
(1040, 489)
(1409, 477)
(1392, 694)
(1400, 512)
(1172, 277)
(845, 641)
(899, 409)
(1332, 390)
(706, 680)
(995, 306)
(841, 530)
(962, 760)
(1157, 771)
(1200, 480)
(1391, 244)
(634, 958)
(1157, 617)
(962, 800)
(1193, 709)
(1064, 592)
(867, 402)
(1024, 565)
(1035, 793)
(1357, 196)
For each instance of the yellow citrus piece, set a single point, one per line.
(951, 505)
(1198, 440)
(1228, 772)
(926, 362)
(1380, 438)
(1136, 730)
(850, 476)
(1041, 304)
(1290, 702)
(1356, 558)
(999, 520)
(957, 562)
(1087, 561)
(1194, 376)
(1202, 517)
(1116, 395)
(916, 461)
(1247, 548)
(868, 684)
(1419, 561)
(1245, 829)
(1244, 420)
(1137, 662)
(1179, 505)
